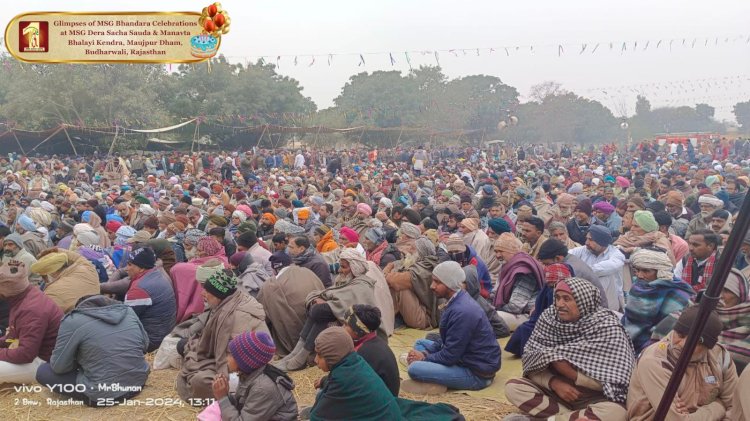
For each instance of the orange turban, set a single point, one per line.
(270, 217)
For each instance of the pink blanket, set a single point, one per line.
(187, 290)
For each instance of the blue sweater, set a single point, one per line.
(467, 337)
(152, 298)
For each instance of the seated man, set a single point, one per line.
(521, 279)
(150, 295)
(231, 312)
(467, 355)
(353, 391)
(352, 286)
(553, 273)
(362, 323)
(99, 347)
(32, 325)
(709, 383)
(409, 279)
(68, 277)
(577, 362)
(654, 295)
(283, 299)
(304, 255)
(465, 255)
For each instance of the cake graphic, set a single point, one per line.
(203, 46)
(215, 22)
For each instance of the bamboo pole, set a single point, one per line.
(261, 135)
(18, 141)
(195, 134)
(48, 138)
(112, 146)
(70, 140)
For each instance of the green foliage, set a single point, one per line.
(423, 98)
(648, 122)
(564, 117)
(43, 96)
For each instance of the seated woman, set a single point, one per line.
(521, 279)
(577, 362)
(33, 322)
(200, 248)
(708, 386)
(362, 322)
(654, 295)
(552, 275)
(351, 286)
(100, 349)
(231, 312)
(353, 391)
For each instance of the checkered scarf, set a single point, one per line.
(597, 343)
(556, 272)
(687, 272)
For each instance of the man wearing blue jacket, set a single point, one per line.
(151, 296)
(467, 356)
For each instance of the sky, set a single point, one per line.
(708, 62)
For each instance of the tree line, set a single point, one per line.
(467, 109)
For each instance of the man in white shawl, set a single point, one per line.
(351, 286)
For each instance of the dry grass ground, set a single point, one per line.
(19, 405)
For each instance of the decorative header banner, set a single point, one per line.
(117, 37)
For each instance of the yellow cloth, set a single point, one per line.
(50, 263)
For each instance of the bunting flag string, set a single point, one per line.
(559, 48)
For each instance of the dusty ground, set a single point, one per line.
(34, 405)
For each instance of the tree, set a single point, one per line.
(642, 106)
(705, 111)
(742, 114)
(565, 118)
(540, 92)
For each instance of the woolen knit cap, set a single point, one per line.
(252, 350)
(450, 274)
(711, 331)
(333, 344)
(221, 284)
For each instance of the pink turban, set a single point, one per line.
(364, 209)
(349, 234)
(245, 209)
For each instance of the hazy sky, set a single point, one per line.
(304, 28)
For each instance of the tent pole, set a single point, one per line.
(71, 141)
(48, 138)
(112, 146)
(18, 141)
